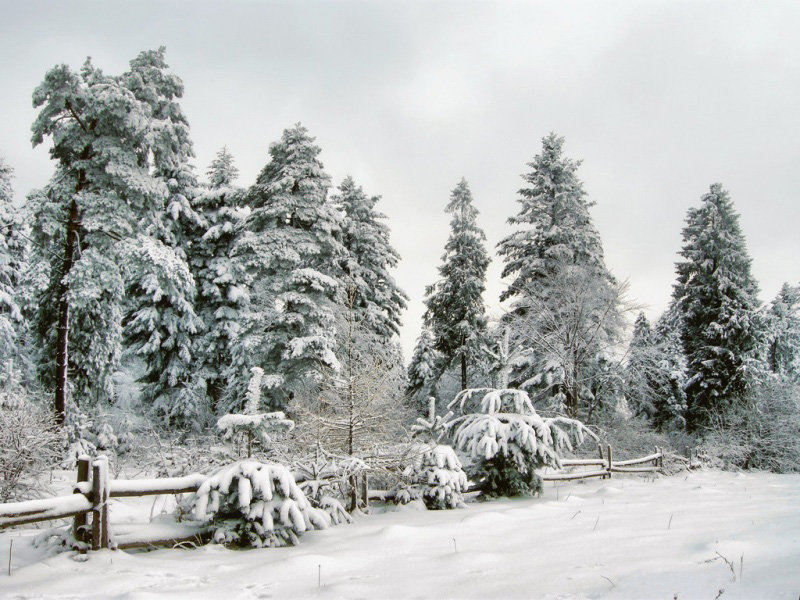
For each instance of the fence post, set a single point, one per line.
(79, 523)
(100, 503)
(600, 452)
(365, 490)
(608, 448)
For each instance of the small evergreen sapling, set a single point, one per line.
(253, 425)
(435, 472)
(501, 431)
(255, 504)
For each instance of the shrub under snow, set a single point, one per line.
(509, 440)
(436, 472)
(256, 504)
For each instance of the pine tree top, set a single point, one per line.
(555, 227)
(222, 171)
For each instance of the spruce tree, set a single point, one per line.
(640, 369)
(290, 248)
(12, 265)
(716, 296)
(378, 301)
(222, 287)
(566, 315)
(161, 322)
(423, 371)
(554, 226)
(456, 314)
(783, 333)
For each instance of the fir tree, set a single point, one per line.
(554, 224)
(222, 287)
(566, 315)
(290, 248)
(12, 265)
(424, 369)
(716, 297)
(161, 319)
(640, 370)
(370, 257)
(783, 335)
(669, 393)
(455, 313)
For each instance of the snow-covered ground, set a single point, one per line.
(622, 538)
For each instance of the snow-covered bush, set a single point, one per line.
(30, 444)
(436, 473)
(256, 504)
(508, 440)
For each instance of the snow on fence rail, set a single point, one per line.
(608, 465)
(91, 495)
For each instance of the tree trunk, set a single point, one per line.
(62, 353)
(463, 372)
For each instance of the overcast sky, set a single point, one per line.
(659, 99)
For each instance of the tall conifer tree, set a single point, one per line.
(377, 300)
(222, 287)
(290, 248)
(456, 314)
(565, 317)
(716, 296)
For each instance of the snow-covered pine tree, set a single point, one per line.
(554, 224)
(434, 473)
(423, 371)
(161, 331)
(370, 258)
(222, 287)
(256, 504)
(12, 265)
(508, 440)
(161, 314)
(669, 392)
(565, 318)
(640, 369)
(104, 135)
(783, 333)
(455, 312)
(716, 296)
(289, 247)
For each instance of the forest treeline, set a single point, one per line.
(126, 262)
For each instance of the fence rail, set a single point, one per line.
(608, 464)
(90, 497)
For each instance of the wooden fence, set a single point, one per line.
(94, 488)
(607, 465)
(90, 497)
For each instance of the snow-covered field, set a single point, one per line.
(622, 538)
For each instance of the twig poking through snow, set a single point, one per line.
(455, 548)
(741, 565)
(727, 562)
(573, 516)
(568, 495)
(595, 523)
(719, 593)
(670, 521)
(319, 576)
(613, 585)
(10, 548)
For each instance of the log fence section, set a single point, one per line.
(91, 493)
(608, 465)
